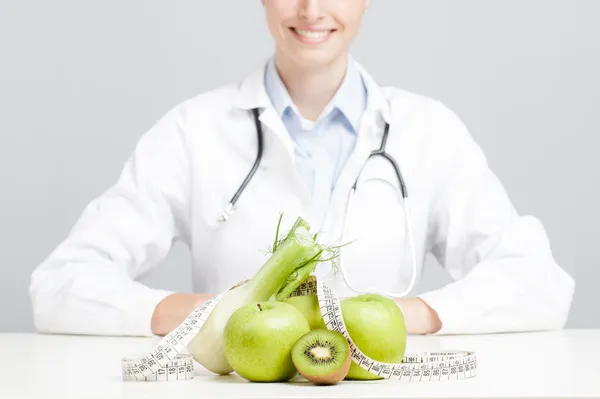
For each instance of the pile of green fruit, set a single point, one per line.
(265, 330)
(273, 341)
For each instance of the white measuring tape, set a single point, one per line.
(168, 362)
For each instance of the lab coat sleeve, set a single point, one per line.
(87, 285)
(504, 276)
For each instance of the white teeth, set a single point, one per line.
(312, 34)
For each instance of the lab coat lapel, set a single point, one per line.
(252, 94)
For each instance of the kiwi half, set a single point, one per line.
(322, 356)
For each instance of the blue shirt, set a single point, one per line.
(321, 147)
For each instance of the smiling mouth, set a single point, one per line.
(312, 36)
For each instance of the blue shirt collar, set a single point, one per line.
(350, 99)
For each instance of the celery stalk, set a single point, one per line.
(288, 256)
(299, 275)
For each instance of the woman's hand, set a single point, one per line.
(419, 317)
(173, 310)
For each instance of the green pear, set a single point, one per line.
(376, 325)
(258, 340)
(308, 305)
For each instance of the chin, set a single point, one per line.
(314, 58)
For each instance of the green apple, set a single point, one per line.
(376, 325)
(308, 305)
(258, 340)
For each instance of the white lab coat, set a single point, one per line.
(185, 169)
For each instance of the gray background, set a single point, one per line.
(81, 81)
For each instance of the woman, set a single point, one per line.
(321, 114)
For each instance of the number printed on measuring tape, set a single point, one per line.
(166, 362)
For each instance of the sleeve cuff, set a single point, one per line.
(141, 309)
(451, 310)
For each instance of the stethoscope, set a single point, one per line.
(379, 152)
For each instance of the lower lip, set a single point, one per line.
(311, 40)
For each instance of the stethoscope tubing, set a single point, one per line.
(225, 216)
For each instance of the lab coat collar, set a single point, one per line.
(253, 94)
(377, 100)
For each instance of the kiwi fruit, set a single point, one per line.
(322, 356)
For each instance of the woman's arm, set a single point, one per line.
(87, 285)
(505, 278)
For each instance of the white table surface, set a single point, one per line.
(539, 364)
